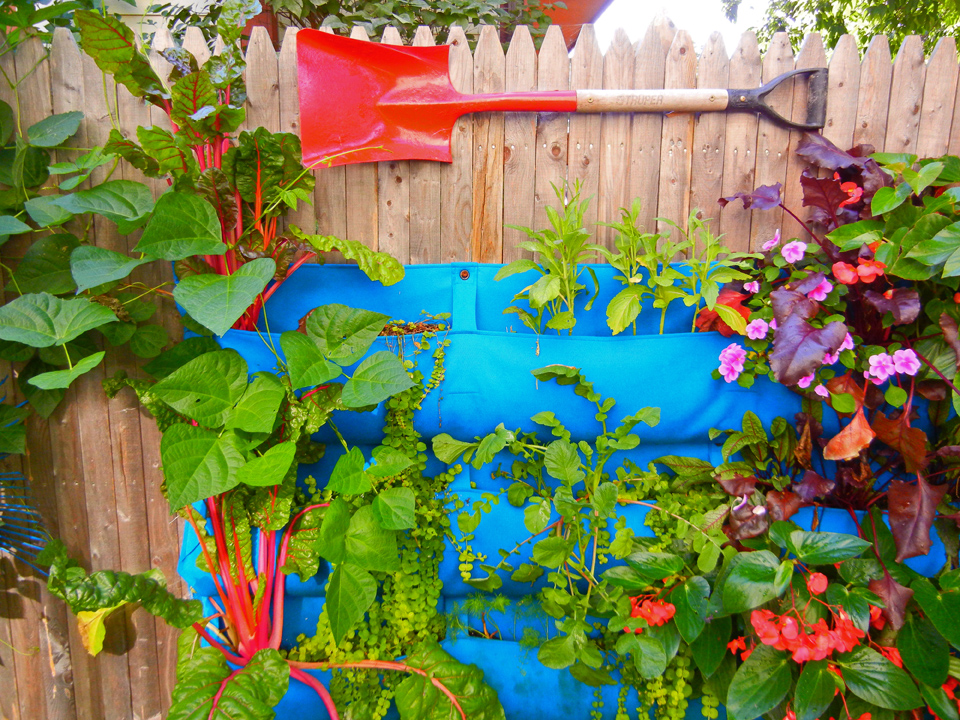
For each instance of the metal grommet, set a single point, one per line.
(464, 274)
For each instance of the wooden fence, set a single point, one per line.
(94, 464)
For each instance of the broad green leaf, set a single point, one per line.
(54, 129)
(824, 548)
(377, 266)
(690, 600)
(218, 301)
(760, 684)
(815, 690)
(271, 468)
(562, 461)
(731, 317)
(9, 225)
(368, 545)
(45, 266)
(551, 552)
(344, 334)
(351, 592)
(536, 516)
(939, 702)
(925, 652)
(257, 410)
(448, 450)
(558, 653)
(160, 145)
(94, 266)
(655, 565)
(13, 433)
(887, 199)
(605, 499)
(45, 211)
(647, 652)
(378, 377)
(181, 225)
(750, 581)
(60, 379)
(348, 476)
(331, 542)
(42, 320)
(517, 266)
(624, 308)
(148, 341)
(394, 508)
(710, 647)
(179, 355)
(44, 402)
(198, 464)
(125, 202)
(306, 365)
(544, 290)
(206, 388)
(92, 628)
(875, 679)
(943, 608)
(388, 461)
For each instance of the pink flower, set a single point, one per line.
(821, 290)
(847, 343)
(757, 329)
(773, 324)
(822, 391)
(831, 358)
(805, 381)
(882, 367)
(732, 358)
(773, 242)
(868, 376)
(905, 361)
(753, 287)
(793, 252)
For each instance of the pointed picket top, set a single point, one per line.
(618, 63)
(195, 44)
(489, 62)
(939, 92)
(664, 29)
(521, 50)
(706, 170)
(262, 81)
(461, 60)
(358, 32)
(218, 45)
(423, 37)
(876, 73)
(391, 36)
(289, 92)
(906, 86)
(587, 59)
(844, 86)
(553, 54)
(651, 53)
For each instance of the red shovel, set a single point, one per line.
(368, 102)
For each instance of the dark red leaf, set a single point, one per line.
(824, 194)
(933, 390)
(787, 302)
(949, 451)
(817, 150)
(710, 319)
(874, 397)
(748, 521)
(910, 442)
(799, 347)
(895, 597)
(848, 443)
(765, 197)
(814, 485)
(782, 505)
(913, 508)
(738, 485)
(903, 304)
(949, 327)
(809, 283)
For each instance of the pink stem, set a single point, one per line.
(310, 681)
(235, 659)
(223, 686)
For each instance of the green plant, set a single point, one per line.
(559, 253)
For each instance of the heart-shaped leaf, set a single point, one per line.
(206, 388)
(59, 379)
(54, 129)
(343, 333)
(257, 410)
(378, 377)
(218, 301)
(270, 468)
(125, 202)
(41, 320)
(45, 266)
(306, 365)
(93, 266)
(394, 508)
(198, 463)
(182, 225)
(351, 592)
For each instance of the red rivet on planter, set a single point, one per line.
(464, 274)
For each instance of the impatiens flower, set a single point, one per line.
(831, 358)
(805, 381)
(752, 286)
(869, 270)
(773, 242)
(847, 343)
(871, 378)
(822, 391)
(732, 358)
(820, 291)
(906, 361)
(757, 329)
(793, 252)
(877, 619)
(845, 273)
(773, 324)
(817, 583)
(882, 367)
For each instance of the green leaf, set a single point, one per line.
(271, 468)
(54, 130)
(41, 320)
(45, 266)
(895, 395)
(198, 464)
(760, 684)
(206, 388)
(824, 548)
(944, 247)
(344, 334)
(536, 516)
(655, 565)
(348, 476)
(605, 499)
(218, 301)
(448, 450)
(388, 461)
(647, 652)
(624, 308)
(815, 690)
(13, 433)
(551, 552)
(691, 601)
(45, 211)
(148, 341)
(943, 608)
(731, 317)
(368, 545)
(350, 594)
(888, 198)
(182, 225)
(60, 379)
(872, 677)
(750, 581)
(517, 266)
(378, 377)
(94, 266)
(8, 123)
(9, 225)
(924, 651)
(257, 410)
(710, 647)
(306, 365)
(562, 461)
(331, 542)
(125, 202)
(44, 402)
(377, 266)
(557, 653)
(160, 145)
(939, 702)
(544, 290)
(394, 508)
(182, 353)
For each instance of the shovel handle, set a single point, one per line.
(599, 101)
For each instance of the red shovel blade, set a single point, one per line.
(369, 102)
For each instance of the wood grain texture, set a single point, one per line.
(425, 198)
(583, 158)
(615, 140)
(456, 195)
(393, 193)
(675, 145)
(646, 128)
(330, 198)
(489, 75)
(740, 146)
(706, 174)
(263, 82)
(843, 88)
(873, 99)
(906, 87)
(553, 73)
(361, 192)
(939, 91)
(303, 216)
(519, 146)
(194, 43)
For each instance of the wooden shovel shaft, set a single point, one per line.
(594, 101)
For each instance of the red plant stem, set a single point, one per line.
(383, 665)
(235, 606)
(223, 686)
(201, 631)
(291, 271)
(210, 564)
(933, 367)
(310, 681)
(244, 589)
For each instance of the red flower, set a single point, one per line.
(892, 654)
(949, 686)
(655, 612)
(877, 620)
(817, 583)
(845, 273)
(737, 644)
(854, 192)
(869, 270)
(791, 715)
